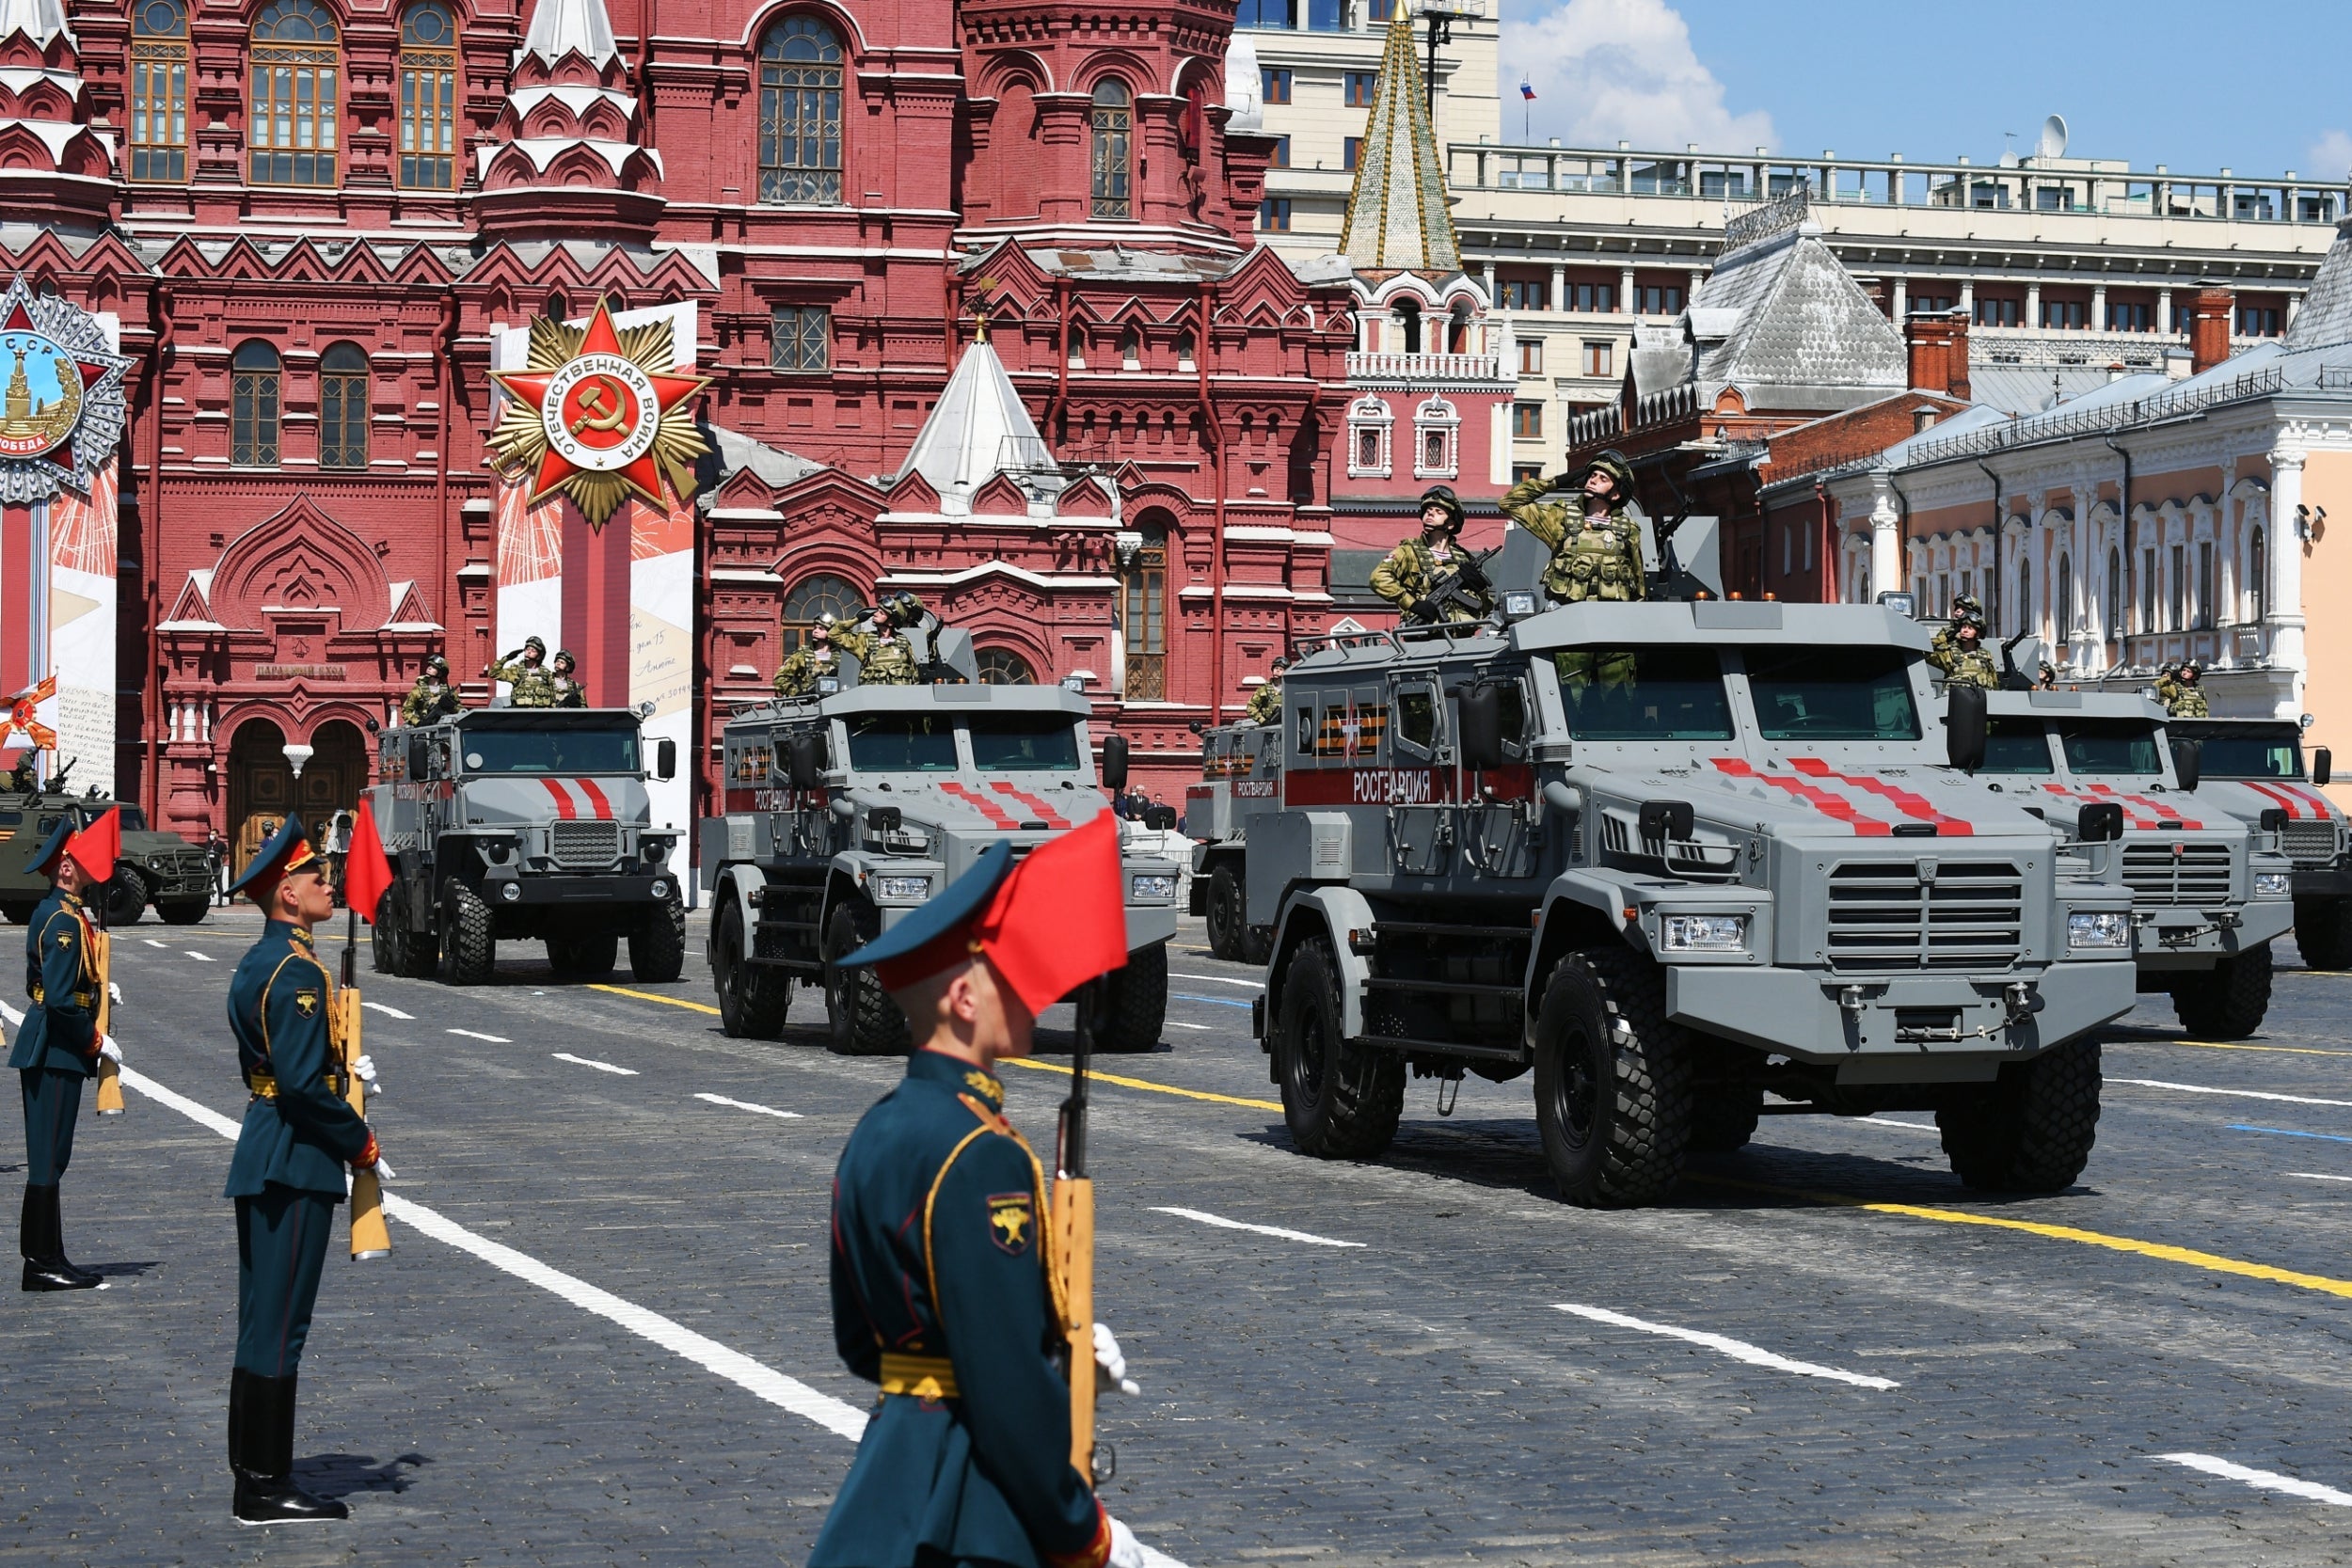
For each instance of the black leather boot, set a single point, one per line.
(260, 1427)
(43, 1246)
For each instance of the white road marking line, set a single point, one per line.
(2269, 1480)
(744, 1104)
(199, 958)
(1180, 1023)
(1739, 1350)
(2315, 1175)
(388, 1012)
(1906, 1126)
(1223, 1224)
(2234, 1094)
(580, 1061)
(153, 942)
(477, 1035)
(755, 1378)
(1217, 979)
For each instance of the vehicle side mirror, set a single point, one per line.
(1478, 720)
(1964, 727)
(2101, 822)
(807, 753)
(1666, 820)
(2323, 767)
(419, 757)
(2188, 760)
(2273, 820)
(665, 759)
(885, 820)
(1115, 762)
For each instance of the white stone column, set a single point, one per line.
(1968, 301)
(1494, 290)
(1559, 286)
(1625, 290)
(2033, 307)
(2284, 622)
(2164, 310)
(2099, 307)
(1886, 545)
(1901, 298)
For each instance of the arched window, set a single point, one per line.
(1002, 667)
(1437, 428)
(2257, 577)
(2115, 593)
(295, 127)
(159, 91)
(428, 97)
(253, 406)
(800, 112)
(1114, 148)
(821, 595)
(1408, 316)
(1370, 424)
(343, 408)
(1143, 616)
(2063, 606)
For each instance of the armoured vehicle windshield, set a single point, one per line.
(2017, 746)
(1023, 743)
(1832, 694)
(2251, 755)
(1665, 694)
(2110, 747)
(490, 750)
(1015, 742)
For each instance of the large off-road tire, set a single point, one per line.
(2323, 932)
(184, 911)
(1134, 1007)
(418, 953)
(1612, 1081)
(657, 949)
(1341, 1099)
(1226, 934)
(2033, 1132)
(753, 1000)
(861, 1019)
(469, 947)
(1723, 1119)
(2230, 1002)
(126, 897)
(584, 958)
(383, 934)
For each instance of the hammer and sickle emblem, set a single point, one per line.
(596, 414)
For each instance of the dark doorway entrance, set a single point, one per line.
(260, 788)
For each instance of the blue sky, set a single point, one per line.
(2254, 86)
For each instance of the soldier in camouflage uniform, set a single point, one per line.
(1959, 649)
(1265, 704)
(1409, 573)
(2177, 690)
(805, 665)
(885, 657)
(526, 670)
(1596, 551)
(568, 692)
(431, 697)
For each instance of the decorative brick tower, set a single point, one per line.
(53, 168)
(563, 161)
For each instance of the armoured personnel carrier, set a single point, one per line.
(2254, 769)
(525, 824)
(847, 811)
(154, 867)
(1240, 775)
(2209, 889)
(1672, 857)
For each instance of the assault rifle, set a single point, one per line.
(1467, 587)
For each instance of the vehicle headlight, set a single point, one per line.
(908, 888)
(660, 887)
(1150, 890)
(2273, 884)
(2098, 928)
(1706, 933)
(509, 891)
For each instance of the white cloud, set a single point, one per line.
(2329, 157)
(1605, 70)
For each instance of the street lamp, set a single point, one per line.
(297, 754)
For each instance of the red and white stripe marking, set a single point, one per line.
(577, 799)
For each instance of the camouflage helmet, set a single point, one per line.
(903, 608)
(1443, 496)
(437, 665)
(564, 659)
(1968, 607)
(2190, 670)
(532, 646)
(1614, 464)
(1278, 665)
(822, 630)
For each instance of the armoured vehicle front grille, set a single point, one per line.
(1887, 916)
(2308, 843)
(590, 845)
(2177, 873)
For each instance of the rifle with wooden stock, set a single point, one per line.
(1074, 1237)
(370, 1236)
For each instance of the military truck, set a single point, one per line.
(154, 867)
(2253, 768)
(1673, 857)
(845, 812)
(2210, 891)
(1241, 770)
(525, 824)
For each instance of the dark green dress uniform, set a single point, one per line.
(942, 1295)
(56, 1050)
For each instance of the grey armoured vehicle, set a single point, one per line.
(522, 824)
(2209, 889)
(847, 811)
(154, 867)
(2253, 768)
(1241, 778)
(1673, 857)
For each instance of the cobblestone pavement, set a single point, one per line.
(1892, 1380)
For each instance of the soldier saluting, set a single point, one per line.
(944, 1288)
(56, 1048)
(1596, 543)
(1959, 648)
(525, 670)
(1265, 704)
(431, 698)
(1417, 567)
(288, 1173)
(2177, 690)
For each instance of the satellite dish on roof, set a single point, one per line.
(2053, 142)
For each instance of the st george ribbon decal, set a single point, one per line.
(598, 418)
(60, 396)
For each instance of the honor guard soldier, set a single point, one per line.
(1596, 543)
(1265, 704)
(288, 1173)
(944, 1291)
(1412, 571)
(568, 692)
(431, 698)
(2177, 690)
(525, 670)
(1959, 648)
(809, 663)
(57, 1047)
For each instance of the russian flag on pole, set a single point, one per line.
(1527, 91)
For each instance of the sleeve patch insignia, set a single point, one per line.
(65, 939)
(307, 1003)
(1010, 1218)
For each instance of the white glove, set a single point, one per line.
(114, 994)
(1113, 1365)
(383, 1168)
(363, 1068)
(1126, 1551)
(108, 1049)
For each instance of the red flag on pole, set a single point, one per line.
(96, 847)
(1059, 920)
(366, 872)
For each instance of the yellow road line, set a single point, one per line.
(2218, 1045)
(657, 996)
(1145, 1083)
(2162, 1251)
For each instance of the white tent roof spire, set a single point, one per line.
(979, 429)
(557, 27)
(1396, 215)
